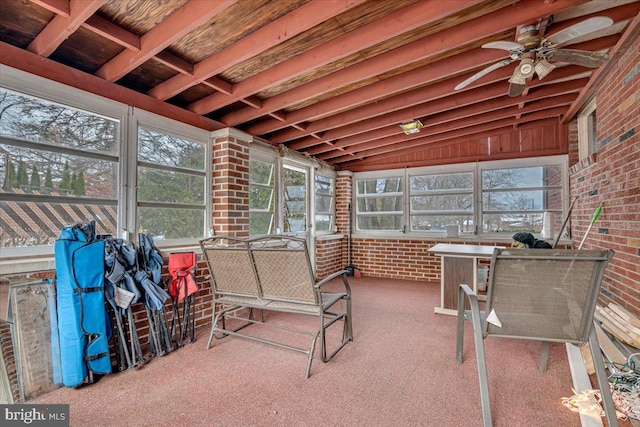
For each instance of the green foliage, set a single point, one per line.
(78, 185)
(34, 181)
(65, 183)
(23, 177)
(10, 178)
(48, 180)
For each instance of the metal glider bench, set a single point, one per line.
(273, 273)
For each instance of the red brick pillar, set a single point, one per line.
(230, 183)
(344, 185)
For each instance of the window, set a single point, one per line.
(67, 156)
(261, 197)
(515, 199)
(379, 203)
(438, 200)
(171, 185)
(587, 130)
(294, 185)
(480, 198)
(324, 203)
(60, 166)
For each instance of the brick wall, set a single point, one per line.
(612, 177)
(231, 183)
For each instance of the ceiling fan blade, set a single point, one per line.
(581, 28)
(516, 89)
(504, 45)
(583, 58)
(483, 72)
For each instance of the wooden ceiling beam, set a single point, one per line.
(111, 31)
(364, 162)
(59, 7)
(534, 111)
(279, 31)
(421, 76)
(484, 26)
(26, 61)
(438, 90)
(181, 22)
(383, 113)
(399, 22)
(61, 27)
(442, 113)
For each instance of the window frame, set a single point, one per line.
(331, 174)
(587, 130)
(475, 168)
(390, 174)
(162, 124)
(36, 258)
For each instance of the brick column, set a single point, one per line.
(344, 185)
(230, 182)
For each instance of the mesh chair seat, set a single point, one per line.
(547, 295)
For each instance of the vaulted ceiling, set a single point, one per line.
(335, 78)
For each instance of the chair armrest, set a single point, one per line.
(330, 277)
(465, 290)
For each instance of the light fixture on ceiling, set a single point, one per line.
(413, 126)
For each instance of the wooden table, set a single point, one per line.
(459, 264)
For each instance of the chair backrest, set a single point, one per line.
(544, 294)
(283, 268)
(230, 266)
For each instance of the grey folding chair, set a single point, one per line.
(547, 295)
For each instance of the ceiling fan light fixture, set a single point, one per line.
(413, 126)
(543, 68)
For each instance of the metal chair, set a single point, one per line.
(547, 295)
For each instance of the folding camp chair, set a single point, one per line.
(548, 295)
(182, 288)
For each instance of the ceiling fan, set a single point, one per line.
(534, 53)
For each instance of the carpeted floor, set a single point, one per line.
(399, 371)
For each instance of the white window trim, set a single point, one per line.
(40, 258)
(585, 142)
(141, 118)
(476, 168)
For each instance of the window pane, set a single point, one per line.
(324, 201)
(442, 182)
(261, 198)
(57, 174)
(515, 199)
(324, 204)
(323, 222)
(379, 185)
(531, 222)
(155, 185)
(380, 204)
(42, 121)
(531, 200)
(158, 182)
(261, 172)
(295, 200)
(169, 150)
(448, 202)
(260, 223)
(521, 177)
(39, 223)
(380, 222)
(58, 167)
(439, 222)
(167, 223)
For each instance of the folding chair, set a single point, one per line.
(547, 295)
(182, 288)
